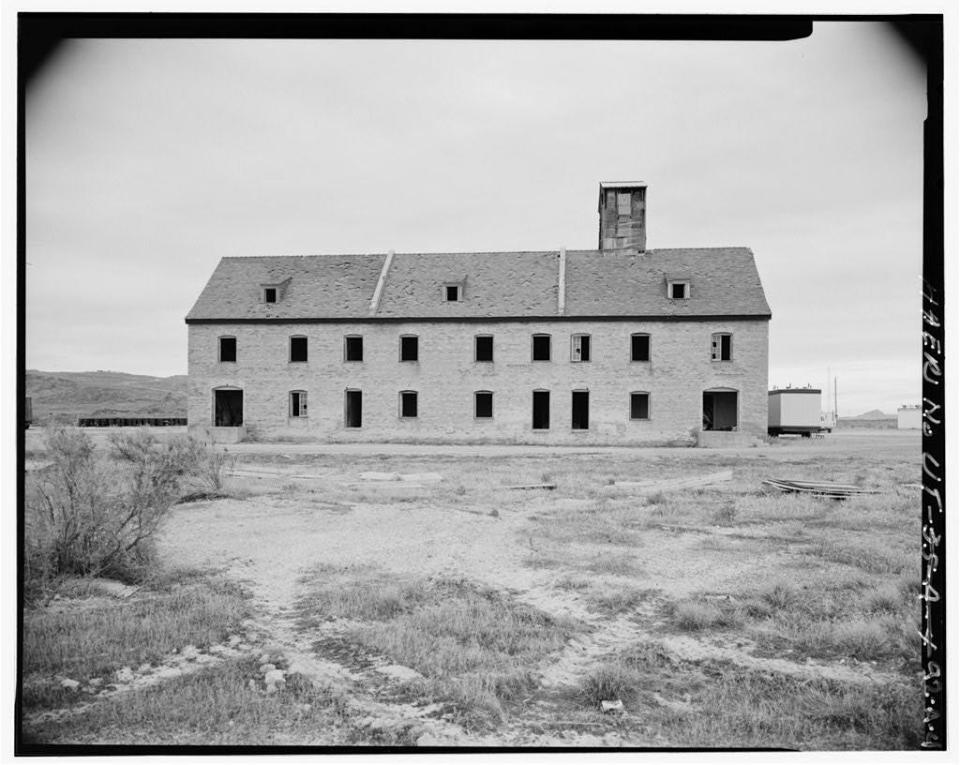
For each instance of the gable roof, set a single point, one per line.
(724, 282)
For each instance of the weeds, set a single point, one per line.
(212, 706)
(473, 645)
(695, 615)
(717, 704)
(84, 642)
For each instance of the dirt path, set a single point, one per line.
(269, 541)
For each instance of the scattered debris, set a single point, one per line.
(833, 490)
(670, 484)
(399, 672)
(611, 706)
(548, 486)
(68, 684)
(189, 652)
(274, 680)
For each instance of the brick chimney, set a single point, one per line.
(623, 215)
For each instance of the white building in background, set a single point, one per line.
(908, 417)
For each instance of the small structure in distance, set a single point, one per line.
(908, 417)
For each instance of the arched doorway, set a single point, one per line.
(227, 407)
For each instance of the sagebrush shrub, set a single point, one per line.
(95, 514)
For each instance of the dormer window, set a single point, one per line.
(273, 292)
(452, 293)
(677, 290)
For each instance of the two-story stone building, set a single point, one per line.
(620, 345)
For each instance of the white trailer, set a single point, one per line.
(794, 410)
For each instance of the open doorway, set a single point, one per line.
(719, 410)
(580, 416)
(541, 409)
(353, 409)
(227, 408)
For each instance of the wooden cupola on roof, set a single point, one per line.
(623, 215)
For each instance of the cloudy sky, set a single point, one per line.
(149, 160)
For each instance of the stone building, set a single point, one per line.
(619, 345)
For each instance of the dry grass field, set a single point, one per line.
(412, 597)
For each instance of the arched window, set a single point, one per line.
(640, 405)
(298, 403)
(408, 404)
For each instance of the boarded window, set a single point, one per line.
(541, 347)
(298, 403)
(408, 403)
(408, 348)
(580, 410)
(623, 203)
(228, 349)
(484, 347)
(353, 348)
(580, 348)
(298, 348)
(639, 406)
(483, 404)
(270, 295)
(639, 347)
(452, 292)
(721, 346)
(353, 409)
(541, 409)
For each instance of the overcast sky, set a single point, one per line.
(149, 160)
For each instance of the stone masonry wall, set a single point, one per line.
(446, 376)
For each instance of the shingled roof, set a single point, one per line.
(724, 282)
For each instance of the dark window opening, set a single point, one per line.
(353, 348)
(541, 409)
(484, 347)
(408, 348)
(580, 415)
(353, 409)
(408, 403)
(720, 410)
(640, 347)
(298, 403)
(452, 292)
(721, 347)
(541, 347)
(227, 408)
(678, 290)
(298, 349)
(580, 348)
(639, 406)
(228, 349)
(270, 295)
(483, 404)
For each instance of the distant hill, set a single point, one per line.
(872, 419)
(873, 414)
(65, 396)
